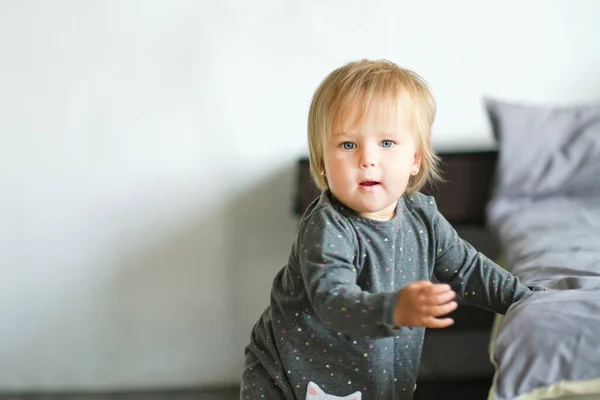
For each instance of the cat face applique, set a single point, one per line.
(314, 392)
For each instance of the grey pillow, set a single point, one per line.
(546, 151)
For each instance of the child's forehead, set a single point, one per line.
(387, 112)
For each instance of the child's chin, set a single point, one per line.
(378, 213)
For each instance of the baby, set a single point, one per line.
(349, 310)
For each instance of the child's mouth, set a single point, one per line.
(369, 183)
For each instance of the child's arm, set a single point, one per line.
(476, 278)
(326, 251)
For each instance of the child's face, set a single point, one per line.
(368, 163)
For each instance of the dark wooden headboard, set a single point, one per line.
(461, 198)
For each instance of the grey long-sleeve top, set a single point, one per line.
(330, 320)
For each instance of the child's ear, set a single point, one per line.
(418, 158)
(417, 163)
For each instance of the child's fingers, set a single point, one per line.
(438, 322)
(437, 288)
(443, 309)
(435, 294)
(442, 298)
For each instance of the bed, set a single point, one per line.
(545, 212)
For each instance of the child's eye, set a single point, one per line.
(387, 144)
(348, 146)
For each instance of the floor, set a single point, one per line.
(452, 390)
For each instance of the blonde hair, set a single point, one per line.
(352, 87)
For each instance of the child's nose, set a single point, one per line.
(367, 159)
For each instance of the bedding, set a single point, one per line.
(545, 211)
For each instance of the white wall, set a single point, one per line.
(147, 152)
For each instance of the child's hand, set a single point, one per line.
(419, 304)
